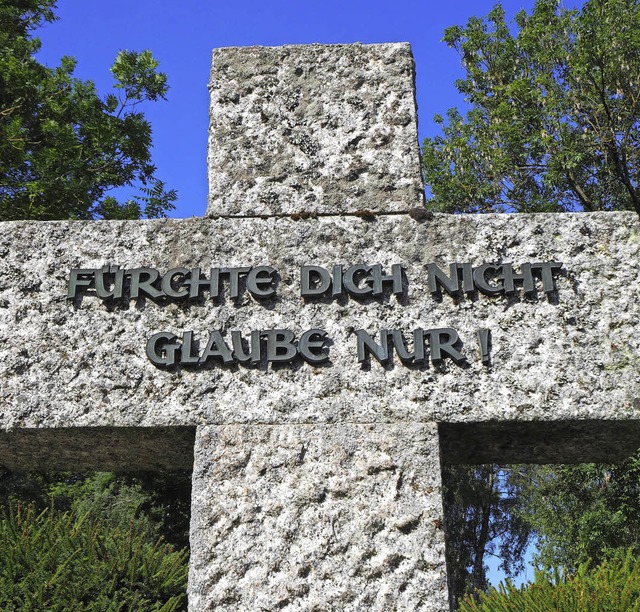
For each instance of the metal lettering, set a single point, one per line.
(280, 345)
(311, 344)
(480, 279)
(337, 288)
(525, 276)
(546, 270)
(436, 279)
(368, 346)
(186, 354)
(314, 280)
(406, 356)
(167, 283)
(380, 279)
(350, 283)
(234, 279)
(484, 341)
(260, 281)
(118, 282)
(141, 284)
(77, 281)
(240, 354)
(441, 343)
(161, 349)
(467, 277)
(196, 283)
(217, 347)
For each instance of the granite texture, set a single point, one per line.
(574, 355)
(308, 517)
(325, 129)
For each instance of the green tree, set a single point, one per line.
(481, 520)
(577, 514)
(614, 586)
(554, 118)
(62, 146)
(54, 560)
(126, 522)
(158, 502)
(583, 512)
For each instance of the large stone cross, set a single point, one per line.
(318, 422)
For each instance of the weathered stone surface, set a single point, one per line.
(314, 128)
(306, 517)
(575, 356)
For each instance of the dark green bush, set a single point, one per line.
(612, 586)
(158, 503)
(62, 561)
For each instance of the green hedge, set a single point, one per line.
(61, 561)
(613, 586)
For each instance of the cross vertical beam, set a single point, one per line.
(343, 515)
(340, 516)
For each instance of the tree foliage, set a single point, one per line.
(98, 540)
(582, 512)
(83, 541)
(54, 560)
(63, 147)
(614, 586)
(481, 520)
(158, 503)
(575, 514)
(554, 119)
(553, 124)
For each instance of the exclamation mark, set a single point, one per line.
(484, 340)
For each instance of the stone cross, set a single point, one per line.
(316, 424)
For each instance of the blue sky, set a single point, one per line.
(181, 35)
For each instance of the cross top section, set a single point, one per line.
(322, 129)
